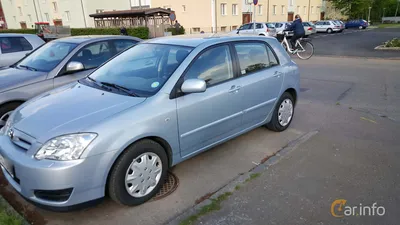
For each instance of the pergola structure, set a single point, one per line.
(156, 19)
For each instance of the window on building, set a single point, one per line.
(291, 2)
(20, 11)
(183, 8)
(67, 16)
(55, 8)
(260, 9)
(196, 29)
(223, 9)
(99, 10)
(213, 66)
(312, 9)
(298, 9)
(305, 10)
(47, 17)
(235, 9)
(234, 27)
(30, 17)
(15, 18)
(223, 29)
(283, 10)
(274, 9)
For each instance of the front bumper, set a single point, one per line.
(78, 181)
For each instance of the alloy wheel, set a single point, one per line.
(285, 112)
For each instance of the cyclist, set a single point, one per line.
(298, 31)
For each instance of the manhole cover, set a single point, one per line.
(169, 186)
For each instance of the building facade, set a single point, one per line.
(3, 23)
(194, 15)
(73, 13)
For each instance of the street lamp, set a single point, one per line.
(369, 15)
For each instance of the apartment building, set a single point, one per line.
(73, 13)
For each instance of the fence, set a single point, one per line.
(391, 19)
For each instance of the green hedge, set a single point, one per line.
(140, 32)
(174, 32)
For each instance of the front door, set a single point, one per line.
(290, 17)
(261, 80)
(246, 18)
(216, 114)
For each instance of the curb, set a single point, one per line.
(241, 179)
(382, 47)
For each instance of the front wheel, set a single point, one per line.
(329, 31)
(5, 112)
(283, 113)
(306, 50)
(138, 174)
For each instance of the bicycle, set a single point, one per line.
(303, 48)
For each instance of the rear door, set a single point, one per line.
(319, 26)
(261, 79)
(216, 114)
(13, 49)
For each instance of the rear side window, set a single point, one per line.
(245, 27)
(254, 57)
(121, 45)
(269, 25)
(213, 66)
(278, 25)
(14, 44)
(259, 26)
(93, 55)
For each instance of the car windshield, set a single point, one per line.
(47, 57)
(270, 25)
(143, 69)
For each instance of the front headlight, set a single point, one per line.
(67, 147)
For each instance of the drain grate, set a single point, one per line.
(168, 187)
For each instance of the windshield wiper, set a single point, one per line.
(120, 88)
(28, 67)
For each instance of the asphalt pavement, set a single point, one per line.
(354, 156)
(356, 43)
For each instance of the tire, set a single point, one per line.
(5, 110)
(261, 35)
(308, 50)
(117, 184)
(330, 31)
(360, 27)
(274, 124)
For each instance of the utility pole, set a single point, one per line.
(397, 9)
(37, 16)
(369, 14)
(83, 13)
(309, 8)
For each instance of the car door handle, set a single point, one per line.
(277, 74)
(234, 89)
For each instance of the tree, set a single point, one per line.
(357, 9)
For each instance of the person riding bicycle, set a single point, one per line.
(298, 30)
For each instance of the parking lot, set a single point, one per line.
(350, 110)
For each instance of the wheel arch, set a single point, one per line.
(292, 92)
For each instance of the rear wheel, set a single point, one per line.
(305, 50)
(329, 31)
(360, 27)
(283, 113)
(138, 174)
(6, 110)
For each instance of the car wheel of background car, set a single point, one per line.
(360, 27)
(283, 113)
(329, 31)
(138, 173)
(6, 110)
(261, 35)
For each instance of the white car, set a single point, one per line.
(328, 26)
(281, 26)
(262, 29)
(14, 47)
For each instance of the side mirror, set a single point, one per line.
(74, 67)
(193, 86)
(238, 31)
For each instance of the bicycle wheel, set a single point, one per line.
(306, 50)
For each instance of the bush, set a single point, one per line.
(181, 30)
(395, 42)
(140, 32)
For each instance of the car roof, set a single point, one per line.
(17, 34)
(93, 38)
(194, 40)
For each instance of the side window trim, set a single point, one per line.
(267, 48)
(175, 92)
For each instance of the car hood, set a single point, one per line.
(11, 78)
(69, 109)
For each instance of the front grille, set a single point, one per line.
(54, 195)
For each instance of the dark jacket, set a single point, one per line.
(297, 27)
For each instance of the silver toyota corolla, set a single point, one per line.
(157, 104)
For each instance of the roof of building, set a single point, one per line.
(194, 40)
(133, 13)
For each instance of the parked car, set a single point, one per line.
(281, 26)
(262, 29)
(54, 64)
(119, 130)
(327, 26)
(309, 28)
(14, 47)
(341, 24)
(360, 24)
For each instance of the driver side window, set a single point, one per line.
(93, 55)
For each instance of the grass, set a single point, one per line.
(237, 187)
(8, 217)
(395, 42)
(213, 206)
(389, 25)
(253, 176)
